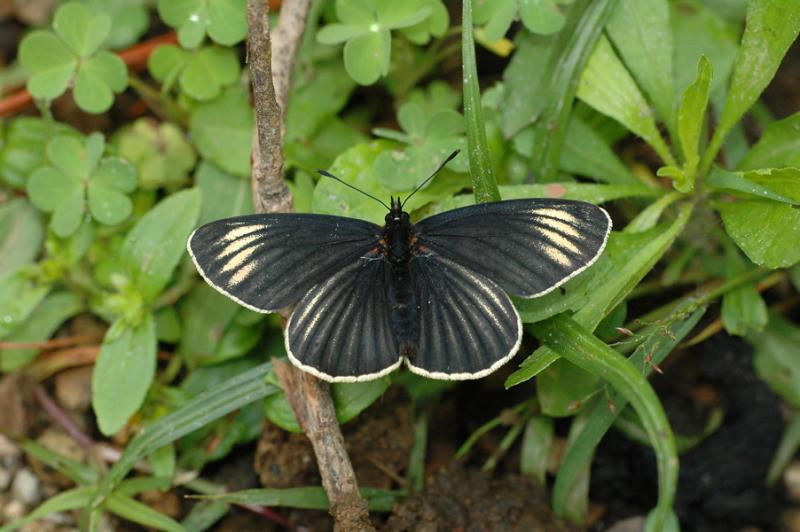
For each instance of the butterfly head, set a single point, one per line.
(396, 214)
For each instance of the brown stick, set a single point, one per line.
(310, 398)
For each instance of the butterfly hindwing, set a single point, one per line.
(341, 330)
(528, 247)
(468, 326)
(269, 261)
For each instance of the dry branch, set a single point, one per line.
(310, 398)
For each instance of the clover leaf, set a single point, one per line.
(436, 24)
(222, 130)
(538, 16)
(202, 74)
(129, 20)
(366, 27)
(23, 147)
(72, 57)
(79, 181)
(225, 21)
(430, 138)
(162, 156)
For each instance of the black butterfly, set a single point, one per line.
(431, 293)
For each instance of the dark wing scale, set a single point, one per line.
(528, 247)
(468, 325)
(341, 330)
(269, 261)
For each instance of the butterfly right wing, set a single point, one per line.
(266, 262)
(341, 331)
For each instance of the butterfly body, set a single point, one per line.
(433, 294)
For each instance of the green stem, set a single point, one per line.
(484, 184)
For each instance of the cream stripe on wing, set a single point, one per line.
(238, 260)
(238, 244)
(559, 226)
(556, 255)
(242, 273)
(554, 213)
(239, 232)
(558, 240)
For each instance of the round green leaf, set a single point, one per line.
(50, 63)
(208, 71)
(367, 57)
(82, 30)
(160, 152)
(227, 21)
(129, 20)
(336, 33)
(68, 155)
(166, 63)
(115, 173)
(107, 205)
(69, 213)
(497, 15)
(97, 78)
(392, 14)
(192, 31)
(541, 16)
(190, 17)
(765, 230)
(412, 119)
(223, 129)
(48, 188)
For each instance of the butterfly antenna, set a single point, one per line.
(450, 158)
(328, 174)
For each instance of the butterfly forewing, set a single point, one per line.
(468, 326)
(528, 247)
(341, 330)
(269, 261)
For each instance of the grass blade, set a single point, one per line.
(309, 498)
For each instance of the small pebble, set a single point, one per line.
(5, 477)
(26, 487)
(791, 479)
(14, 511)
(7, 448)
(631, 524)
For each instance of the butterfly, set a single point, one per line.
(432, 293)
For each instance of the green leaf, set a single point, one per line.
(160, 151)
(311, 498)
(224, 20)
(99, 77)
(775, 358)
(542, 16)
(208, 71)
(586, 153)
(166, 64)
(21, 235)
(522, 104)
(784, 179)
(779, 146)
(598, 416)
(50, 63)
(743, 308)
(107, 191)
(484, 184)
(224, 195)
(19, 296)
(157, 242)
(580, 347)
(641, 33)
(62, 194)
(42, 322)
(222, 130)
(132, 510)
(559, 82)
(212, 404)
(563, 389)
(81, 29)
(23, 148)
(497, 17)
(129, 20)
(691, 116)
(435, 24)
(367, 57)
(123, 373)
(771, 27)
(537, 442)
(790, 442)
(761, 228)
(608, 87)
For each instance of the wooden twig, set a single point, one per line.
(310, 398)
(270, 193)
(311, 402)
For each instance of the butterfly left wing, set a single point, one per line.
(468, 326)
(341, 331)
(529, 247)
(266, 262)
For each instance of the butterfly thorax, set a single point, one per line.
(397, 238)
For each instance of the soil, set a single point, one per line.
(721, 486)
